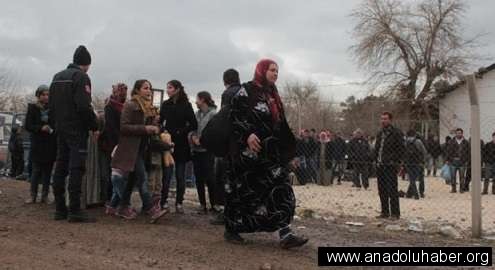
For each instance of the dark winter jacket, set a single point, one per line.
(434, 148)
(229, 93)
(43, 144)
(460, 152)
(178, 119)
(109, 138)
(15, 143)
(70, 102)
(489, 155)
(336, 149)
(359, 151)
(390, 146)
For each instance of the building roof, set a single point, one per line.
(482, 71)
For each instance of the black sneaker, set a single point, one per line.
(218, 220)
(383, 216)
(80, 217)
(292, 241)
(60, 215)
(233, 238)
(394, 217)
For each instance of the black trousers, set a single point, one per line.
(17, 164)
(388, 189)
(221, 170)
(42, 172)
(72, 151)
(104, 161)
(204, 166)
(361, 174)
(180, 180)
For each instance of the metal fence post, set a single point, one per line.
(475, 157)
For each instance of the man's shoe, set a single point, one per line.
(179, 209)
(383, 216)
(44, 200)
(394, 217)
(60, 215)
(233, 238)
(291, 241)
(30, 201)
(80, 217)
(218, 220)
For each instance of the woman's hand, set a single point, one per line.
(152, 129)
(254, 143)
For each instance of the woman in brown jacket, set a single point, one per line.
(130, 154)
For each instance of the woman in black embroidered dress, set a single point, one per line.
(259, 197)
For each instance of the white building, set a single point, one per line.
(455, 111)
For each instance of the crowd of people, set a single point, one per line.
(144, 147)
(322, 158)
(249, 189)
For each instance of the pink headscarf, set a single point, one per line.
(275, 102)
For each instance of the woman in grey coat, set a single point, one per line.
(203, 160)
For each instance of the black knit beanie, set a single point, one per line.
(82, 56)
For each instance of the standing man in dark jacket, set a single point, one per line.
(70, 107)
(489, 159)
(389, 150)
(336, 151)
(359, 157)
(434, 151)
(43, 143)
(232, 84)
(458, 152)
(110, 136)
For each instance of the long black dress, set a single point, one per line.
(258, 192)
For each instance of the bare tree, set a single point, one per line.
(305, 107)
(407, 47)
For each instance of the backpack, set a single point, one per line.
(216, 135)
(413, 153)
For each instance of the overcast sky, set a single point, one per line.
(192, 41)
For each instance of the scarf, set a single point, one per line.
(115, 103)
(146, 106)
(270, 91)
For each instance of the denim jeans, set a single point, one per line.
(42, 173)
(180, 169)
(414, 171)
(455, 167)
(123, 186)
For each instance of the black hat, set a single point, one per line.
(82, 56)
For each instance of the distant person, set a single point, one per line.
(389, 151)
(70, 108)
(458, 152)
(359, 157)
(434, 153)
(43, 144)
(336, 151)
(109, 138)
(310, 150)
(413, 162)
(489, 160)
(16, 150)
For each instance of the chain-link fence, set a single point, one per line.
(340, 173)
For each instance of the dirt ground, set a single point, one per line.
(438, 205)
(30, 239)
